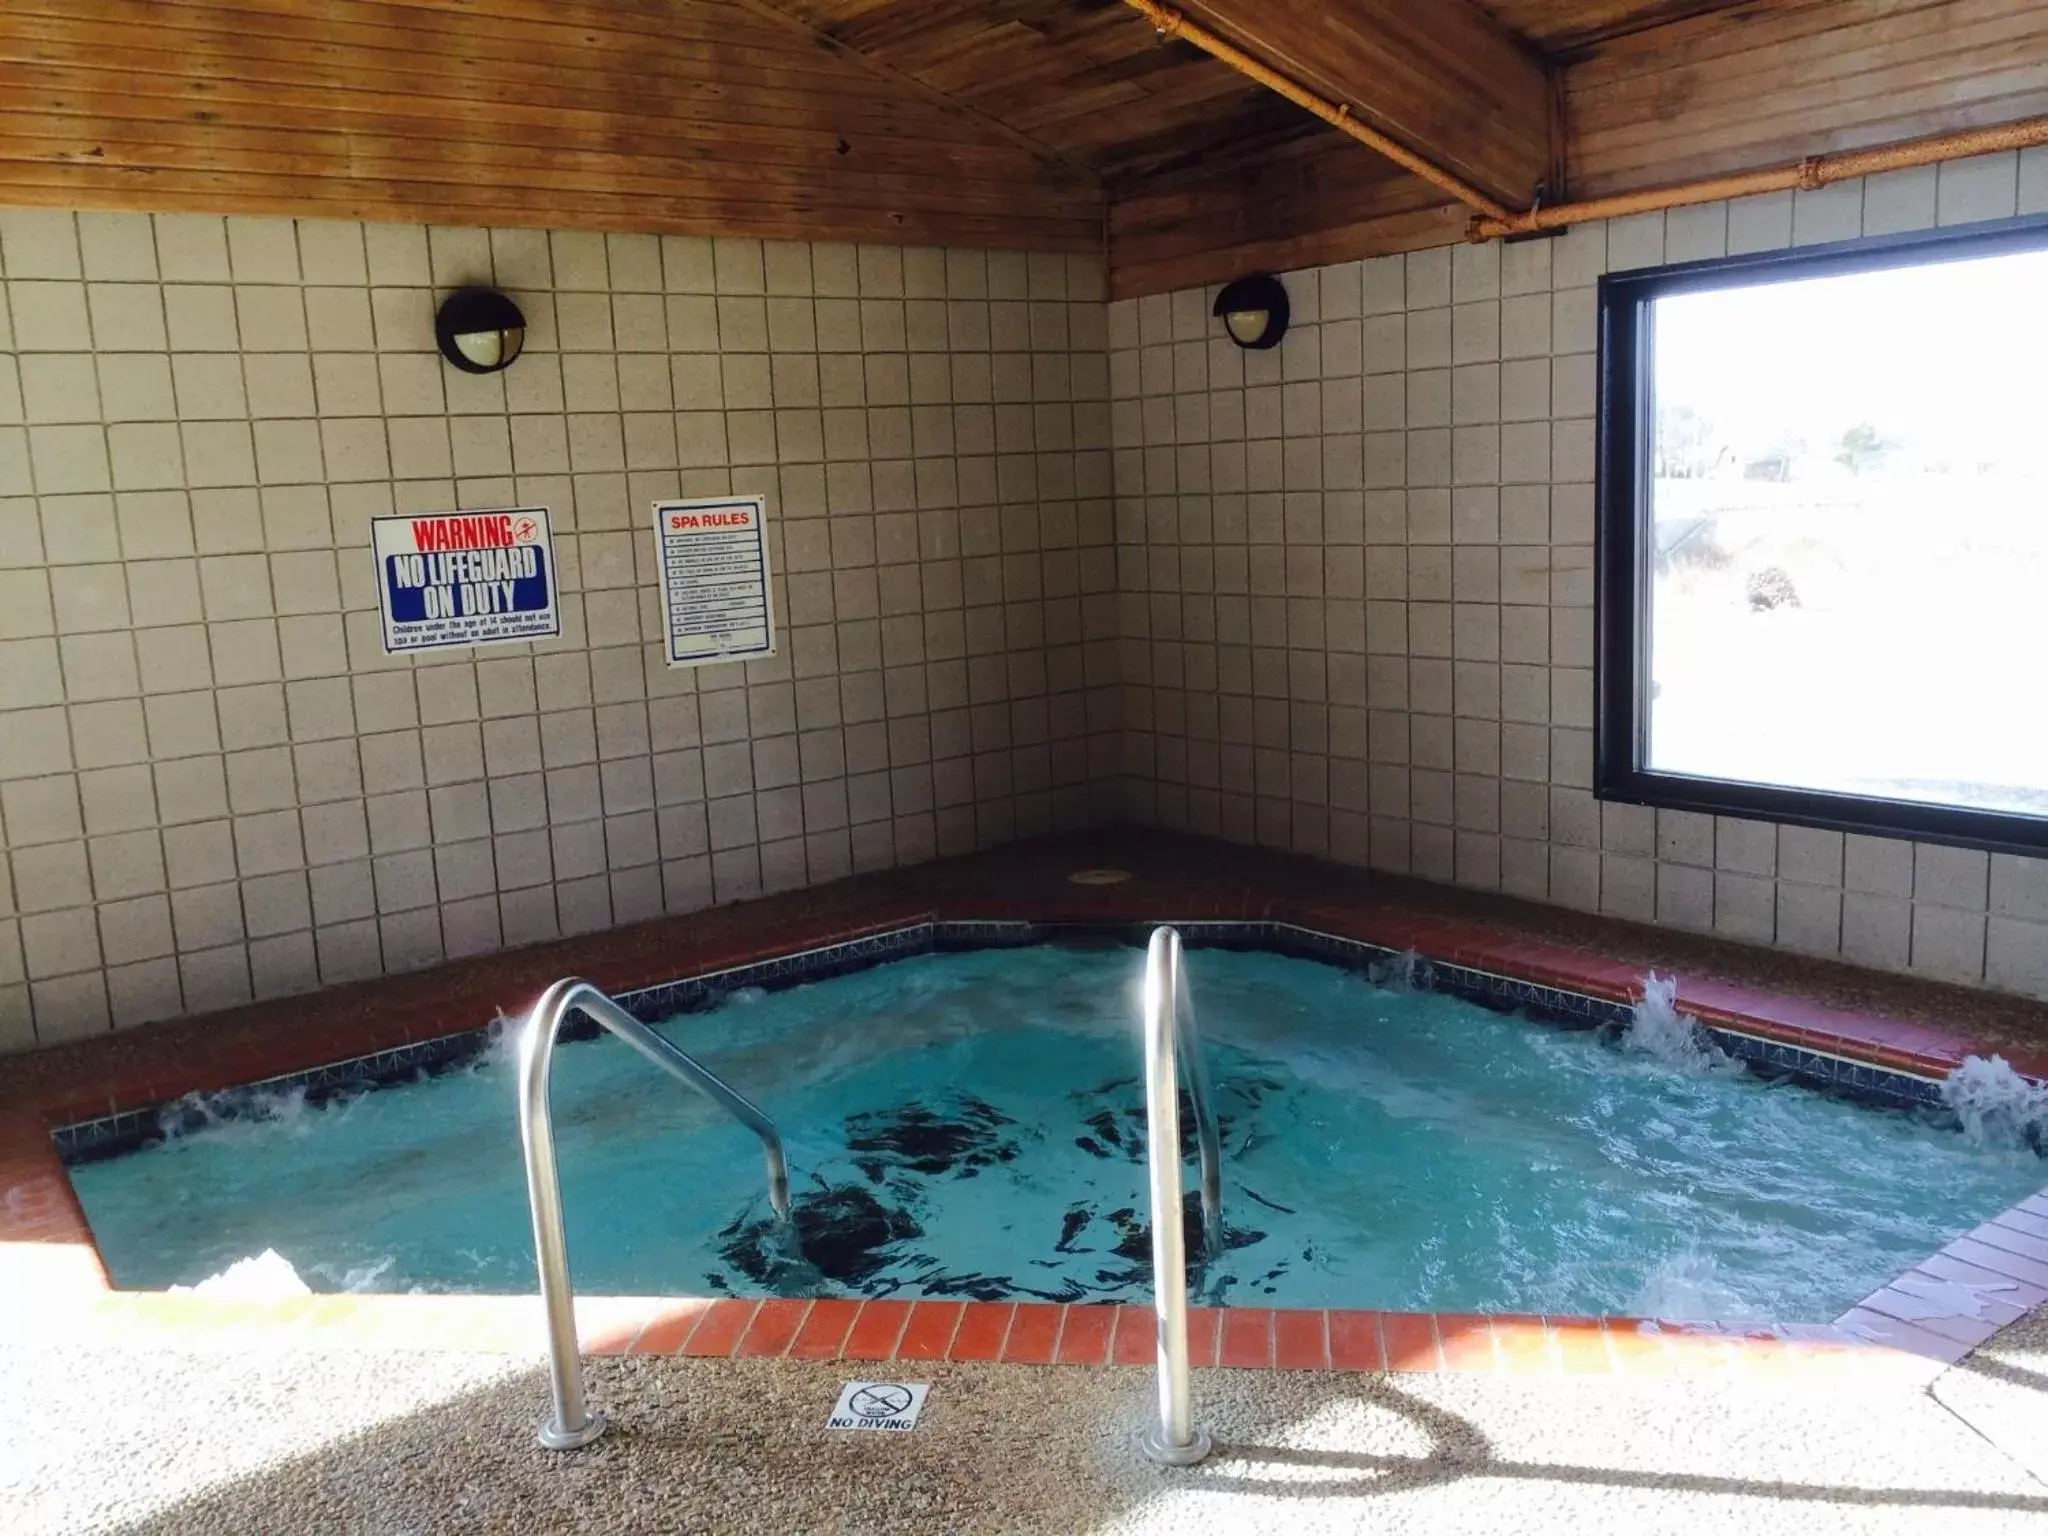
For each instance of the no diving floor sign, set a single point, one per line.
(891, 1405)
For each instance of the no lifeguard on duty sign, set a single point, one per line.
(465, 578)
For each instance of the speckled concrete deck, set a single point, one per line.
(233, 1440)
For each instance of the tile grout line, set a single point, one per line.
(810, 1306)
(682, 1346)
(1059, 1334)
(1009, 1327)
(959, 1321)
(895, 1339)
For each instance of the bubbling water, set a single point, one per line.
(237, 1112)
(1658, 1030)
(265, 1277)
(1385, 1149)
(1686, 1287)
(358, 1277)
(1405, 972)
(269, 1276)
(500, 1047)
(1997, 1107)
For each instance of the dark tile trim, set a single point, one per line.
(113, 1135)
(1837, 1075)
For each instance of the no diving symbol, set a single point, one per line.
(879, 1400)
(885, 1405)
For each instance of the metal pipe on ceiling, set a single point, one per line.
(1494, 220)
(1808, 175)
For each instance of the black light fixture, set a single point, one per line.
(479, 329)
(1254, 311)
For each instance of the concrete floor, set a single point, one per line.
(226, 1440)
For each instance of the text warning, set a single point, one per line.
(465, 578)
(716, 603)
(889, 1405)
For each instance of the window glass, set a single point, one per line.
(1846, 541)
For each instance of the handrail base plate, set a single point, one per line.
(554, 1438)
(1157, 1448)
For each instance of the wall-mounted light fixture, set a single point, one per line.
(479, 329)
(1254, 311)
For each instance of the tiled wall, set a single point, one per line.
(1354, 581)
(213, 784)
(1357, 592)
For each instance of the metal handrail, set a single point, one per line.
(1208, 1141)
(1176, 1440)
(570, 1423)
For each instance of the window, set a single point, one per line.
(1823, 592)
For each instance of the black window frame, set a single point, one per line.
(1622, 575)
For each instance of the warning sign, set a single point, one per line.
(891, 1405)
(465, 578)
(713, 557)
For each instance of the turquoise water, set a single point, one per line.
(970, 1125)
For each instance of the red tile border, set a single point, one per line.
(774, 1327)
(929, 1334)
(1085, 1337)
(1410, 1341)
(1870, 1327)
(876, 1330)
(825, 1330)
(2030, 1266)
(1355, 1343)
(1466, 1342)
(983, 1328)
(1247, 1339)
(1034, 1334)
(1868, 1345)
(2000, 1290)
(46, 1247)
(1135, 1342)
(1581, 1346)
(669, 1332)
(1300, 1341)
(721, 1328)
(2020, 1222)
(1526, 1345)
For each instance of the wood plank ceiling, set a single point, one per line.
(602, 114)
(1652, 92)
(1085, 77)
(1044, 124)
(1563, 27)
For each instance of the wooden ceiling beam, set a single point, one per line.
(1444, 81)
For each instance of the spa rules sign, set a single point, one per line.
(714, 579)
(465, 578)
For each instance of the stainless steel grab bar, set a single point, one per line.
(1176, 1440)
(570, 1423)
(1208, 1141)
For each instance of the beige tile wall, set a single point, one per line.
(1345, 588)
(213, 784)
(1357, 589)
